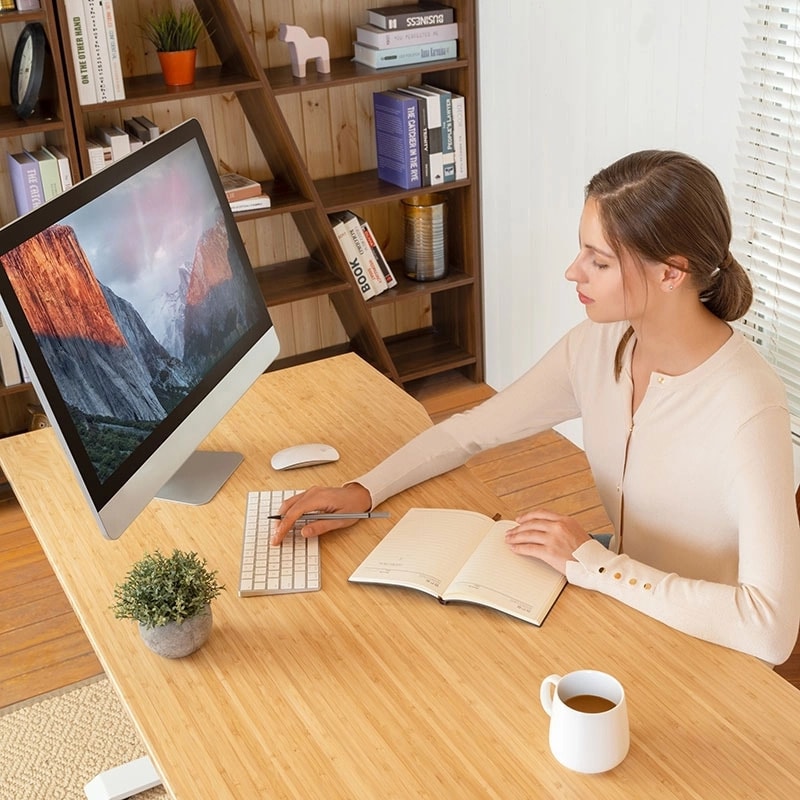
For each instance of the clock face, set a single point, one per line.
(27, 69)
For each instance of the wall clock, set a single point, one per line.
(27, 69)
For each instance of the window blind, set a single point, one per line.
(766, 190)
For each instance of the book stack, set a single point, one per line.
(243, 193)
(95, 50)
(420, 136)
(37, 176)
(407, 34)
(19, 5)
(363, 253)
(111, 143)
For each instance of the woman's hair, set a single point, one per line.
(659, 205)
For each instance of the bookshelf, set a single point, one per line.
(311, 143)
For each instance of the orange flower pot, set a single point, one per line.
(178, 67)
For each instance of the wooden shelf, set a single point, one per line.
(408, 288)
(297, 280)
(366, 188)
(5, 391)
(284, 199)
(426, 352)
(345, 71)
(152, 89)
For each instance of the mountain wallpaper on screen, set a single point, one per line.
(117, 380)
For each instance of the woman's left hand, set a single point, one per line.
(548, 536)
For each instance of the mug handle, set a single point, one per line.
(546, 690)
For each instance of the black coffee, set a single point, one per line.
(590, 703)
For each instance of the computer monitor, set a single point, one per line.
(136, 313)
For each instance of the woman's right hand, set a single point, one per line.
(350, 499)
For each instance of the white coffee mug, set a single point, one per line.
(588, 719)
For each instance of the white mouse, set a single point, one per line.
(304, 455)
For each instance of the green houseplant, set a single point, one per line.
(170, 597)
(174, 34)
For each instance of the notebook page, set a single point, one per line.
(494, 576)
(424, 550)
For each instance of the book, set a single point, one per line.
(424, 142)
(448, 143)
(28, 5)
(372, 241)
(116, 139)
(251, 203)
(99, 155)
(7, 5)
(400, 56)
(78, 39)
(25, 182)
(432, 103)
(114, 57)
(134, 129)
(410, 15)
(351, 256)
(9, 363)
(460, 136)
(150, 129)
(459, 555)
(97, 46)
(365, 255)
(397, 139)
(374, 36)
(64, 170)
(239, 187)
(49, 174)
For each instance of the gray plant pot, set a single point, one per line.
(175, 640)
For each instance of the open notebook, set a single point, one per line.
(458, 555)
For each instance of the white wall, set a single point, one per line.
(567, 87)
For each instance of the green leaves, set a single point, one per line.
(171, 30)
(158, 590)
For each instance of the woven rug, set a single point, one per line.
(52, 747)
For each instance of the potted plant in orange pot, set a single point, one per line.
(174, 35)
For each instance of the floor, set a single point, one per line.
(42, 646)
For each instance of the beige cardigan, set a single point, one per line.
(709, 542)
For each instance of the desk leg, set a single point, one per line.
(123, 781)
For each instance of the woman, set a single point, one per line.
(685, 426)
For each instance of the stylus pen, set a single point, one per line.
(311, 517)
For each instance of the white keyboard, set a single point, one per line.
(292, 566)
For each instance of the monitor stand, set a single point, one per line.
(200, 478)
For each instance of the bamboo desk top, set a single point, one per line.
(362, 692)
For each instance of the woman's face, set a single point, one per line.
(598, 274)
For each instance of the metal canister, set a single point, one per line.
(425, 237)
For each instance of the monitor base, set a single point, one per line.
(200, 478)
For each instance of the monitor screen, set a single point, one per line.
(138, 318)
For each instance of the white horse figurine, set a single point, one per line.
(303, 47)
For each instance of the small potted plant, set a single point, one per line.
(170, 597)
(174, 35)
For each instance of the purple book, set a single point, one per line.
(397, 139)
(25, 182)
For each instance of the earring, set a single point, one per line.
(671, 287)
